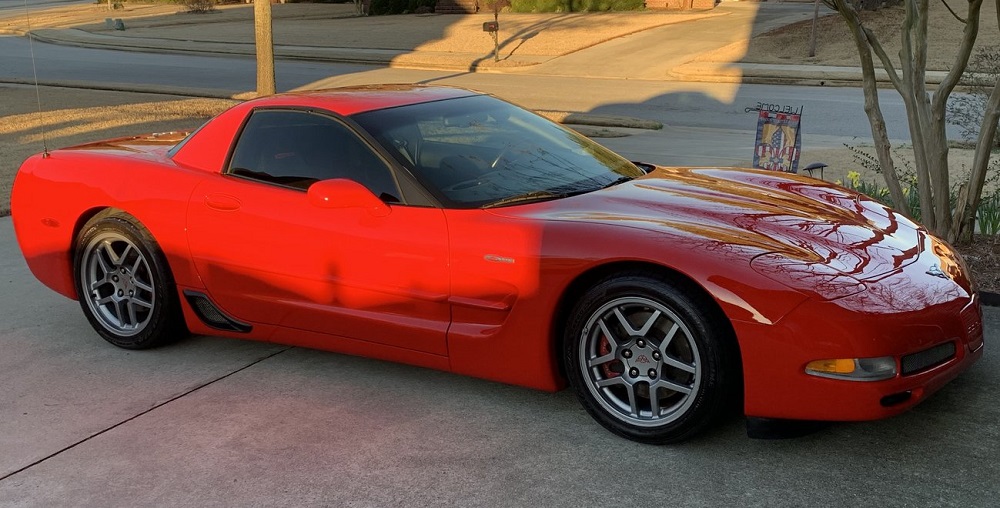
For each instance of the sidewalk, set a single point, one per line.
(631, 45)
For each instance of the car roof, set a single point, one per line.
(359, 99)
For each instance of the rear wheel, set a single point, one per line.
(649, 361)
(124, 284)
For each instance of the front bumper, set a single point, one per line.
(774, 356)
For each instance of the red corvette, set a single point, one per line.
(448, 229)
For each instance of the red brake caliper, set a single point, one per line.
(604, 348)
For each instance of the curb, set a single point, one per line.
(736, 72)
(205, 93)
(365, 56)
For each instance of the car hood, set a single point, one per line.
(779, 219)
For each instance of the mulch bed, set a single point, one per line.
(982, 256)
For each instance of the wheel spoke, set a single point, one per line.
(120, 313)
(593, 362)
(633, 403)
(138, 263)
(654, 401)
(608, 335)
(670, 385)
(142, 303)
(143, 286)
(677, 364)
(611, 381)
(105, 248)
(103, 301)
(665, 343)
(98, 283)
(124, 257)
(624, 322)
(642, 332)
(131, 312)
(110, 252)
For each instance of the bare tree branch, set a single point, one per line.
(883, 57)
(962, 58)
(959, 18)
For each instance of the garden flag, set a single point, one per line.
(779, 141)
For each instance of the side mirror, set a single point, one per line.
(342, 193)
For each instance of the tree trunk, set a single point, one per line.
(925, 115)
(965, 210)
(265, 47)
(880, 136)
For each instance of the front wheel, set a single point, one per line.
(648, 360)
(124, 284)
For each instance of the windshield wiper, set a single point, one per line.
(549, 195)
(532, 196)
(618, 181)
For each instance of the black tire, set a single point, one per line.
(124, 284)
(632, 336)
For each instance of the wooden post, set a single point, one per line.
(812, 36)
(265, 47)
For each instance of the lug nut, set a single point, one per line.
(121, 293)
(627, 353)
(114, 278)
(123, 269)
(652, 373)
(633, 372)
(640, 343)
(656, 355)
(131, 293)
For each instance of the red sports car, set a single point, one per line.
(449, 229)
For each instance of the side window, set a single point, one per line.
(297, 148)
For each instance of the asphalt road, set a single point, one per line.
(215, 422)
(831, 114)
(7, 6)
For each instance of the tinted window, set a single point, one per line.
(481, 151)
(297, 148)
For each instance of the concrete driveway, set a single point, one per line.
(215, 422)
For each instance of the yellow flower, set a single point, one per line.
(854, 177)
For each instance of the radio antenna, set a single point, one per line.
(34, 71)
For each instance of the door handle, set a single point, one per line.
(222, 202)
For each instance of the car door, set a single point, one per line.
(267, 255)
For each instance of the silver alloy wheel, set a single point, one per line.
(120, 284)
(640, 361)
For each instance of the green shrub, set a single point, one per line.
(988, 216)
(200, 6)
(575, 5)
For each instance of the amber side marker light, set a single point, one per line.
(854, 369)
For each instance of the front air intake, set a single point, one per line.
(923, 360)
(209, 314)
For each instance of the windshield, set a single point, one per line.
(480, 151)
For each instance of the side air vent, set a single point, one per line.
(212, 316)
